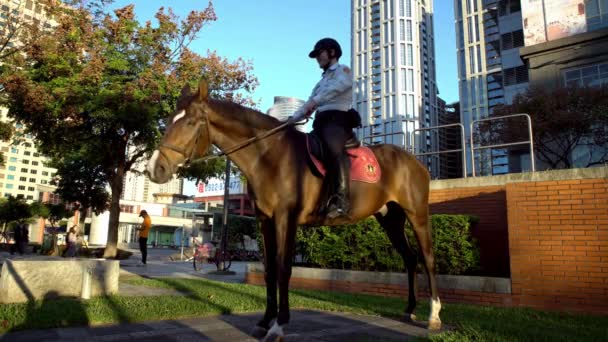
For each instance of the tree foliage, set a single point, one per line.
(95, 94)
(563, 120)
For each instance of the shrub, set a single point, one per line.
(365, 246)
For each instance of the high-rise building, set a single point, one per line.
(489, 34)
(284, 107)
(393, 61)
(450, 139)
(505, 46)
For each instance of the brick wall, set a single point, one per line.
(558, 242)
(447, 295)
(488, 203)
(547, 231)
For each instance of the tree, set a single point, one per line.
(563, 120)
(14, 210)
(13, 31)
(82, 182)
(104, 84)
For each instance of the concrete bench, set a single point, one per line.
(35, 278)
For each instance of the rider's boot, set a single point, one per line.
(339, 203)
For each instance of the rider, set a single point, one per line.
(334, 122)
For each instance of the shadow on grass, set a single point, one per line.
(41, 313)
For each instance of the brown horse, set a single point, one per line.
(285, 190)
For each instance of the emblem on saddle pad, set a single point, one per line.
(364, 166)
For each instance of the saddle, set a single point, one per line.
(364, 166)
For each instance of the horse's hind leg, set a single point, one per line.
(270, 276)
(394, 225)
(421, 223)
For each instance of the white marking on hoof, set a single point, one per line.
(434, 320)
(275, 333)
(383, 211)
(410, 317)
(179, 115)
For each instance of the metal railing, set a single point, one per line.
(529, 141)
(462, 141)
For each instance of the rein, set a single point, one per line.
(245, 143)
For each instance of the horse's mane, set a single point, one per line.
(249, 116)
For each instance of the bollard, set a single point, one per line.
(87, 272)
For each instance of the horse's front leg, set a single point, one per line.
(270, 276)
(286, 234)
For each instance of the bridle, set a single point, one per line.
(189, 157)
(182, 151)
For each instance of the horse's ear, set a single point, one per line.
(203, 90)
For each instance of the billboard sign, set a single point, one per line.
(215, 187)
(547, 20)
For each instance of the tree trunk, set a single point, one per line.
(116, 184)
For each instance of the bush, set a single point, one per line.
(365, 246)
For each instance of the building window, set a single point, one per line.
(30, 197)
(126, 208)
(22, 179)
(13, 159)
(21, 187)
(597, 14)
(30, 188)
(45, 173)
(515, 75)
(33, 172)
(590, 75)
(10, 177)
(12, 168)
(32, 180)
(14, 150)
(27, 153)
(9, 186)
(34, 163)
(36, 154)
(25, 161)
(24, 170)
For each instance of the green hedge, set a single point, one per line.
(365, 246)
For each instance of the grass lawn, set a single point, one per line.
(211, 298)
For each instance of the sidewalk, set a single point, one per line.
(305, 325)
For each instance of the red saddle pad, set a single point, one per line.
(364, 166)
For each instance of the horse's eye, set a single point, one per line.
(191, 122)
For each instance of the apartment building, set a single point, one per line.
(393, 59)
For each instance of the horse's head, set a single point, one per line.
(186, 137)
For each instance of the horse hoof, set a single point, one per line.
(435, 324)
(410, 317)
(259, 332)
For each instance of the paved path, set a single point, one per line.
(304, 326)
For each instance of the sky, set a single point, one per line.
(276, 36)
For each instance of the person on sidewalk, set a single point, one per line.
(21, 237)
(143, 235)
(72, 241)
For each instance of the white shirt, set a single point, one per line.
(333, 91)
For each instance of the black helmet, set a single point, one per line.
(326, 44)
(142, 213)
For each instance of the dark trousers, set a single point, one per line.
(18, 246)
(143, 247)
